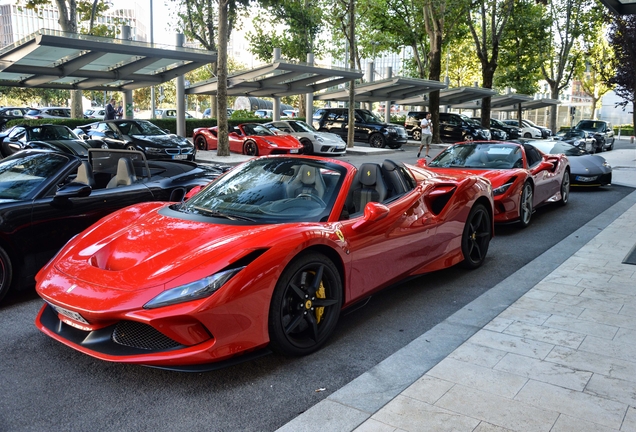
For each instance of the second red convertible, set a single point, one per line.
(522, 177)
(266, 256)
(249, 139)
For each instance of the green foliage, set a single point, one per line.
(242, 115)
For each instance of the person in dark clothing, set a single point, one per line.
(110, 110)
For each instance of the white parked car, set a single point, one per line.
(48, 112)
(313, 142)
(526, 130)
(97, 113)
(264, 113)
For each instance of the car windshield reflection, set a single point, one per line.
(271, 190)
(21, 174)
(482, 156)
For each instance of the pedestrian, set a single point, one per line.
(120, 112)
(110, 110)
(427, 134)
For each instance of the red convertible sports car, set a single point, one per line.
(250, 139)
(265, 256)
(522, 177)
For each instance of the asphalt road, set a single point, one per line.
(46, 386)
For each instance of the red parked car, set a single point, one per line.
(522, 177)
(265, 256)
(251, 139)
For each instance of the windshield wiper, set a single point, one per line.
(216, 213)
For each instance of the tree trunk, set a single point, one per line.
(554, 94)
(487, 77)
(223, 148)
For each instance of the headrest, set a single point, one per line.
(308, 174)
(368, 174)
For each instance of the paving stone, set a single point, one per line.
(510, 343)
(428, 389)
(548, 307)
(487, 427)
(587, 303)
(545, 334)
(539, 294)
(524, 315)
(569, 424)
(613, 389)
(573, 403)
(612, 348)
(372, 425)
(629, 424)
(544, 371)
(600, 294)
(554, 287)
(497, 410)
(485, 379)
(414, 416)
(593, 362)
(498, 324)
(477, 354)
(582, 326)
(617, 320)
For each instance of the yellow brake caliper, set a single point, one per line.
(320, 293)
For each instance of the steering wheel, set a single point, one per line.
(312, 197)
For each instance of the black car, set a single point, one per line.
(47, 197)
(578, 138)
(585, 169)
(496, 133)
(143, 136)
(459, 127)
(513, 131)
(602, 130)
(45, 137)
(11, 113)
(368, 127)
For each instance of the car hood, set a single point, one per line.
(588, 164)
(75, 147)
(156, 248)
(163, 140)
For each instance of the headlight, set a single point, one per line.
(193, 291)
(271, 143)
(606, 164)
(502, 189)
(391, 130)
(153, 150)
(319, 139)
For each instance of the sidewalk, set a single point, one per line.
(550, 348)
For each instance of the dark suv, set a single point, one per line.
(367, 127)
(459, 127)
(602, 131)
(11, 113)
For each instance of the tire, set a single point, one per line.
(525, 205)
(131, 147)
(305, 305)
(476, 237)
(308, 146)
(201, 143)
(417, 135)
(377, 141)
(250, 148)
(6, 274)
(527, 135)
(565, 188)
(467, 138)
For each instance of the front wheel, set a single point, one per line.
(250, 148)
(377, 140)
(468, 138)
(6, 273)
(476, 237)
(527, 135)
(525, 205)
(565, 188)
(417, 135)
(201, 143)
(308, 147)
(305, 305)
(131, 147)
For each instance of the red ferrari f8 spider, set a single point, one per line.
(250, 139)
(522, 177)
(265, 256)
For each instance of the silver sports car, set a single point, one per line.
(314, 142)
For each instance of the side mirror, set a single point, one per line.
(73, 190)
(110, 134)
(545, 165)
(233, 134)
(373, 211)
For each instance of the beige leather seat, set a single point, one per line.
(85, 174)
(125, 174)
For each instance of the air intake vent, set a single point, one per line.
(142, 336)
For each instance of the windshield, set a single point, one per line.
(299, 126)
(21, 174)
(256, 129)
(590, 125)
(482, 156)
(139, 128)
(50, 133)
(572, 133)
(556, 147)
(271, 190)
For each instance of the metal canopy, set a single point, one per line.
(621, 7)
(280, 78)
(55, 59)
(390, 89)
(539, 103)
(451, 96)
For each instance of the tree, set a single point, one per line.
(599, 69)
(487, 22)
(622, 39)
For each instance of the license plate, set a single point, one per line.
(179, 156)
(69, 314)
(293, 151)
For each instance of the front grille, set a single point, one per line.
(138, 335)
(173, 151)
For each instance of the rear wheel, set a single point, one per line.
(305, 305)
(467, 137)
(417, 135)
(527, 135)
(476, 237)
(525, 205)
(565, 188)
(201, 143)
(131, 147)
(250, 148)
(6, 273)
(308, 147)
(377, 140)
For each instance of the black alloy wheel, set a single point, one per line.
(305, 305)
(525, 205)
(201, 143)
(377, 140)
(250, 148)
(476, 237)
(308, 147)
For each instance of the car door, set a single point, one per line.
(108, 133)
(336, 121)
(546, 183)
